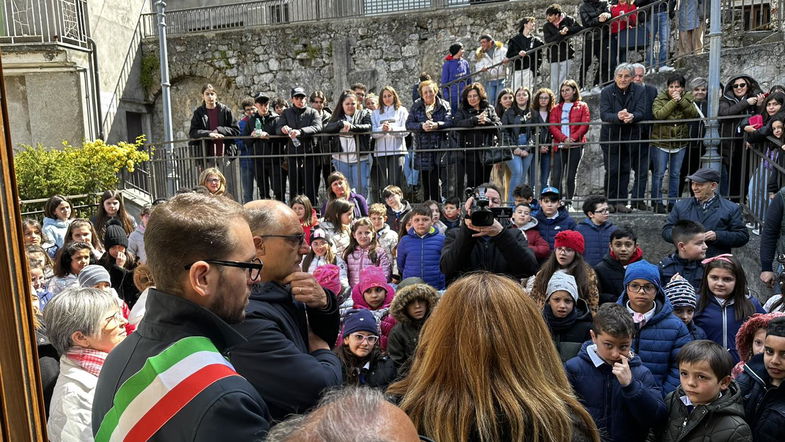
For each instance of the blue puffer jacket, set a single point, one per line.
(692, 271)
(621, 413)
(659, 342)
(550, 227)
(764, 405)
(720, 323)
(722, 216)
(596, 239)
(420, 257)
(435, 139)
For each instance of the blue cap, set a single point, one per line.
(550, 189)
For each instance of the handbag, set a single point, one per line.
(634, 39)
(495, 154)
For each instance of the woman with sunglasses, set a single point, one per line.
(362, 361)
(741, 96)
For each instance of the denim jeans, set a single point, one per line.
(757, 193)
(519, 167)
(358, 174)
(671, 161)
(662, 32)
(412, 175)
(493, 87)
(545, 171)
(247, 175)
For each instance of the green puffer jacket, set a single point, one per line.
(720, 421)
(666, 109)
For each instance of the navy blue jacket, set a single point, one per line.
(420, 257)
(722, 216)
(621, 413)
(659, 341)
(692, 271)
(276, 360)
(720, 323)
(435, 139)
(764, 404)
(596, 239)
(613, 100)
(696, 332)
(550, 227)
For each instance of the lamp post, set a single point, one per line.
(163, 54)
(712, 158)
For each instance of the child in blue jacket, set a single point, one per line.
(552, 217)
(419, 251)
(596, 229)
(617, 390)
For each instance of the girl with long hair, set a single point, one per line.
(542, 103)
(362, 360)
(724, 303)
(301, 205)
(215, 182)
(493, 380)
(568, 139)
(71, 259)
(353, 146)
(389, 126)
(35, 236)
(479, 115)
(364, 251)
(337, 223)
(112, 207)
(519, 138)
(57, 216)
(321, 254)
(338, 187)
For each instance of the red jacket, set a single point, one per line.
(627, 22)
(538, 244)
(578, 114)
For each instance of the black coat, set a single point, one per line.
(563, 51)
(307, 121)
(507, 253)
(426, 140)
(590, 11)
(379, 374)
(121, 279)
(270, 146)
(485, 135)
(569, 333)
(523, 43)
(361, 122)
(227, 126)
(764, 405)
(613, 100)
(544, 136)
(610, 279)
(229, 409)
(276, 360)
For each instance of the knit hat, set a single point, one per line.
(329, 277)
(373, 276)
(92, 275)
(455, 48)
(643, 270)
(565, 282)
(115, 235)
(321, 234)
(359, 320)
(571, 239)
(681, 293)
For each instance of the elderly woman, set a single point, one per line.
(83, 325)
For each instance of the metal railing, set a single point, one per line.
(271, 12)
(45, 21)
(83, 205)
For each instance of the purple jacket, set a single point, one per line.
(452, 69)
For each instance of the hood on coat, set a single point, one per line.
(531, 224)
(480, 53)
(414, 292)
(752, 89)
(57, 222)
(747, 331)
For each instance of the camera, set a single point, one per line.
(482, 215)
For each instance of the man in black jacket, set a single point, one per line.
(494, 248)
(215, 121)
(289, 320)
(523, 45)
(622, 106)
(300, 123)
(269, 171)
(557, 30)
(201, 254)
(595, 14)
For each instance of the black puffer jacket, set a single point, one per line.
(562, 51)
(720, 421)
(523, 43)
(764, 404)
(378, 373)
(406, 333)
(360, 125)
(270, 146)
(227, 126)
(569, 333)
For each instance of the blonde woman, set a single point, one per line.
(214, 181)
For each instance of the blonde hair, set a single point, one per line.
(213, 171)
(511, 378)
(377, 209)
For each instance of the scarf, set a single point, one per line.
(559, 325)
(88, 359)
(636, 255)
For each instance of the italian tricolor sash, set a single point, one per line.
(165, 384)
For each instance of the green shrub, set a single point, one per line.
(92, 167)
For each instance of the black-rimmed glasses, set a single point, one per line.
(295, 240)
(254, 266)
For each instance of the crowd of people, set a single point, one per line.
(289, 317)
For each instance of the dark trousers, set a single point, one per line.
(304, 174)
(430, 184)
(270, 175)
(617, 171)
(566, 159)
(476, 172)
(639, 157)
(595, 47)
(387, 170)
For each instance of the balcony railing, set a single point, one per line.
(44, 21)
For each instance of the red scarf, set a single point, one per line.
(636, 255)
(90, 360)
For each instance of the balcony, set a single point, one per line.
(62, 22)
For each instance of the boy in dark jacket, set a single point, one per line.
(708, 404)
(411, 307)
(552, 217)
(525, 194)
(568, 316)
(596, 229)
(420, 251)
(761, 387)
(397, 207)
(623, 251)
(617, 390)
(681, 294)
(451, 212)
(689, 239)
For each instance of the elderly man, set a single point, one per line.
(170, 380)
(622, 106)
(289, 320)
(493, 248)
(720, 217)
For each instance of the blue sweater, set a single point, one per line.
(720, 323)
(596, 239)
(550, 227)
(659, 341)
(621, 413)
(420, 257)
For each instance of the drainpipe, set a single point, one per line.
(99, 122)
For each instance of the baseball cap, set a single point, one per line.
(297, 91)
(550, 189)
(261, 98)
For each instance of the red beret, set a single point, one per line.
(571, 239)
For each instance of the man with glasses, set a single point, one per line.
(493, 248)
(360, 90)
(290, 319)
(300, 123)
(596, 229)
(170, 379)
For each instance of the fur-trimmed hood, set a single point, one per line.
(746, 332)
(411, 293)
(480, 52)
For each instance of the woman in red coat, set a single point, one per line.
(568, 139)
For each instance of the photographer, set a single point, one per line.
(493, 248)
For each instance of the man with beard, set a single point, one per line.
(170, 380)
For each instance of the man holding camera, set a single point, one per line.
(493, 248)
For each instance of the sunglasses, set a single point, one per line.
(740, 85)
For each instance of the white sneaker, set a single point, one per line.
(667, 69)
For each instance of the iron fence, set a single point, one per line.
(45, 21)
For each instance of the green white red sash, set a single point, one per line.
(166, 383)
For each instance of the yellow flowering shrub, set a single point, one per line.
(91, 167)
